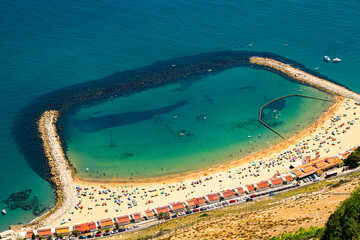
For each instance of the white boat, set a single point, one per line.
(327, 58)
(249, 136)
(3, 211)
(336, 60)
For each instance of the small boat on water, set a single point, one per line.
(249, 136)
(327, 59)
(3, 211)
(259, 136)
(335, 60)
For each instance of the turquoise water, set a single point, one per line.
(46, 45)
(180, 128)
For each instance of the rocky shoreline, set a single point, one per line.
(305, 77)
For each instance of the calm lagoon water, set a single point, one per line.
(186, 127)
(46, 45)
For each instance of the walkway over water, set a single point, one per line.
(291, 95)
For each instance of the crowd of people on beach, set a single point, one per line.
(119, 199)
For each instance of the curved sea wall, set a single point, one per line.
(60, 170)
(46, 113)
(305, 77)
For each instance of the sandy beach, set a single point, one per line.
(83, 201)
(114, 199)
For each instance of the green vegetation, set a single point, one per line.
(76, 233)
(339, 183)
(344, 223)
(204, 215)
(352, 161)
(302, 234)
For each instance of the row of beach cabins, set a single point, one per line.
(172, 208)
(299, 170)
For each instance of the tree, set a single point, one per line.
(33, 237)
(60, 236)
(353, 159)
(117, 226)
(76, 233)
(344, 223)
(49, 237)
(107, 230)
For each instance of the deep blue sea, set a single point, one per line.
(47, 45)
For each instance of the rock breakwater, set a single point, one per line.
(306, 78)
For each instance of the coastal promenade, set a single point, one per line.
(306, 78)
(60, 170)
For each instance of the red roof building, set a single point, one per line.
(177, 207)
(163, 209)
(149, 214)
(44, 232)
(276, 182)
(239, 191)
(92, 226)
(29, 233)
(200, 201)
(288, 178)
(191, 203)
(136, 217)
(123, 220)
(106, 223)
(83, 228)
(250, 188)
(228, 194)
(212, 198)
(262, 186)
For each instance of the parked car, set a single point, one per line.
(113, 231)
(90, 236)
(106, 233)
(122, 229)
(272, 194)
(129, 228)
(82, 237)
(249, 200)
(253, 195)
(98, 235)
(174, 216)
(232, 201)
(211, 207)
(136, 226)
(166, 218)
(196, 210)
(181, 214)
(218, 204)
(188, 212)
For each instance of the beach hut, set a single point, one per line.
(200, 201)
(83, 228)
(162, 209)
(250, 188)
(276, 182)
(262, 186)
(136, 217)
(44, 232)
(239, 191)
(106, 223)
(288, 178)
(92, 227)
(63, 230)
(123, 220)
(191, 203)
(212, 198)
(228, 194)
(149, 214)
(177, 207)
(29, 234)
(334, 162)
